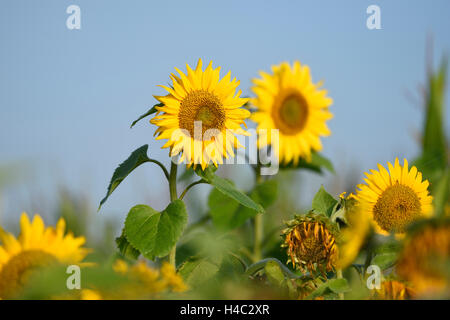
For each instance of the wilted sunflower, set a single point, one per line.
(36, 247)
(425, 258)
(394, 290)
(311, 243)
(201, 116)
(354, 233)
(289, 101)
(394, 199)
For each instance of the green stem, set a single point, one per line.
(258, 223)
(173, 197)
(190, 186)
(340, 276)
(163, 168)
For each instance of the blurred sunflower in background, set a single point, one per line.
(394, 290)
(37, 246)
(289, 101)
(425, 258)
(201, 115)
(143, 281)
(394, 199)
(354, 233)
(311, 243)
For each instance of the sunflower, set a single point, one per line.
(354, 233)
(36, 246)
(425, 257)
(145, 281)
(394, 199)
(288, 101)
(311, 243)
(394, 290)
(201, 116)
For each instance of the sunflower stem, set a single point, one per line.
(258, 222)
(190, 186)
(173, 197)
(340, 276)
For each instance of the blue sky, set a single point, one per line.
(68, 96)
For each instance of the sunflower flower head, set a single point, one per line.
(311, 243)
(425, 257)
(394, 199)
(201, 116)
(287, 100)
(147, 282)
(37, 246)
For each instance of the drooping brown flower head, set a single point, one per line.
(311, 243)
(425, 257)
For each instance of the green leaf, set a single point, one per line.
(392, 246)
(385, 260)
(274, 273)
(197, 271)
(323, 202)
(434, 159)
(155, 233)
(317, 164)
(125, 248)
(138, 157)
(338, 285)
(228, 214)
(227, 188)
(441, 193)
(265, 193)
(330, 288)
(258, 266)
(149, 112)
(224, 211)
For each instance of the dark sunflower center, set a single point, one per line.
(397, 207)
(18, 269)
(312, 250)
(201, 106)
(292, 114)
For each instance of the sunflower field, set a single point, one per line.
(384, 235)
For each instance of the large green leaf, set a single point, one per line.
(338, 285)
(197, 271)
(228, 214)
(155, 233)
(433, 159)
(323, 202)
(227, 188)
(317, 164)
(151, 111)
(138, 157)
(441, 193)
(385, 260)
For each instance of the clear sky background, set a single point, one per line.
(67, 97)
